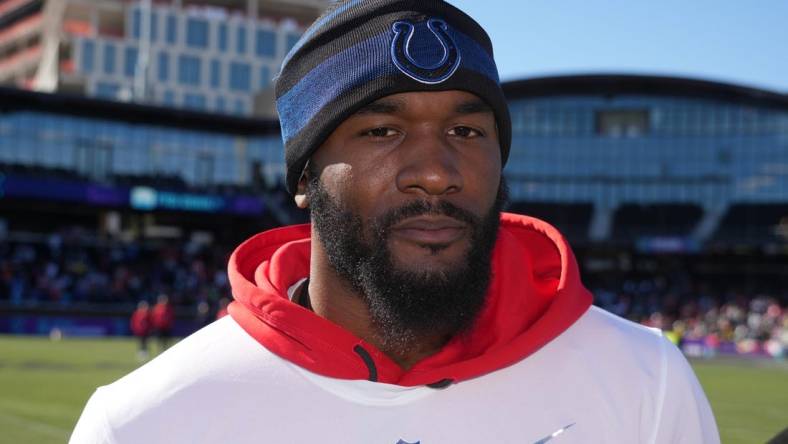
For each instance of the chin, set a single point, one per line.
(428, 259)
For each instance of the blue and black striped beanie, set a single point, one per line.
(361, 50)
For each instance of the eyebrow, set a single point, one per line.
(383, 106)
(473, 107)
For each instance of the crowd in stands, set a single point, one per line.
(706, 321)
(67, 272)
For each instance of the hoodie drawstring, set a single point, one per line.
(370, 363)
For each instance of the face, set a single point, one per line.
(405, 198)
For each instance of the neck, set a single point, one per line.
(332, 297)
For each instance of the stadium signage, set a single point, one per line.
(149, 199)
(138, 198)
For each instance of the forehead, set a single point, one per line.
(441, 102)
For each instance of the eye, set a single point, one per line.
(381, 132)
(465, 132)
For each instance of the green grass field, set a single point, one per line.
(45, 384)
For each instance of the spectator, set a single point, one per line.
(141, 328)
(162, 318)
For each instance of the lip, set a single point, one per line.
(430, 229)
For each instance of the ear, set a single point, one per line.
(300, 197)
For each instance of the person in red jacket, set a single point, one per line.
(141, 328)
(163, 318)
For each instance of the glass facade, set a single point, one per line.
(189, 68)
(240, 40)
(194, 101)
(596, 164)
(636, 167)
(172, 29)
(216, 73)
(107, 148)
(200, 52)
(130, 61)
(675, 149)
(163, 66)
(240, 76)
(265, 77)
(291, 41)
(222, 37)
(136, 24)
(88, 55)
(110, 54)
(266, 43)
(197, 33)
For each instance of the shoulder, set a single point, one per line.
(182, 386)
(606, 334)
(627, 348)
(641, 364)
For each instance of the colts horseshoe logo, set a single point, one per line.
(430, 74)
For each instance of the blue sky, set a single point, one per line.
(736, 41)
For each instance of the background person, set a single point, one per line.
(141, 328)
(163, 318)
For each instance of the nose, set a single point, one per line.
(430, 166)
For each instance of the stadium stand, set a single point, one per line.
(633, 221)
(670, 190)
(573, 220)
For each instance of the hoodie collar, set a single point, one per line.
(535, 294)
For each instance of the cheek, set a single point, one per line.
(483, 176)
(337, 179)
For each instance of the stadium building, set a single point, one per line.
(669, 188)
(212, 55)
(634, 158)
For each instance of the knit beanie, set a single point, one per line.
(359, 51)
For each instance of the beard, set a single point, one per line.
(407, 307)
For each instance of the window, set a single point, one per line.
(194, 101)
(240, 107)
(220, 106)
(240, 43)
(130, 61)
(93, 157)
(169, 97)
(205, 167)
(223, 36)
(154, 26)
(172, 29)
(109, 58)
(164, 66)
(291, 41)
(189, 70)
(266, 43)
(240, 76)
(216, 70)
(622, 123)
(197, 33)
(265, 77)
(136, 24)
(88, 55)
(107, 90)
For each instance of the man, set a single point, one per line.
(162, 320)
(411, 310)
(140, 324)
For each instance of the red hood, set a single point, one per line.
(535, 295)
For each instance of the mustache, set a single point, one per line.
(420, 208)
